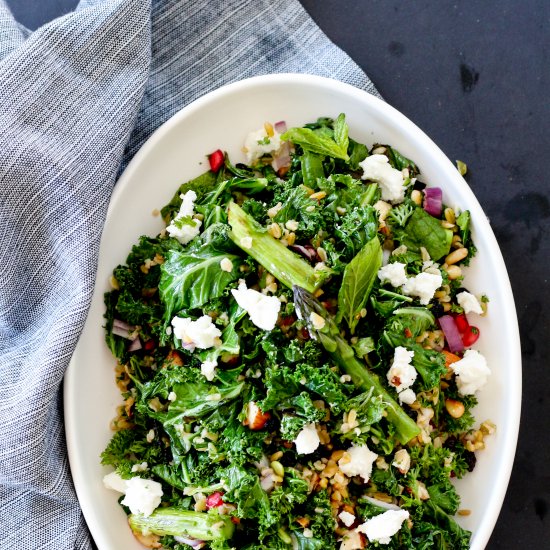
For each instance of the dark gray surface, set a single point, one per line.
(475, 77)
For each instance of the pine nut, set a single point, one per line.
(275, 230)
(454, 408)
(416, 196)
(454, 272)
(456, 256)
(318, 196)
(337, 455)
(450, 215)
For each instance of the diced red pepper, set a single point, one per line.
(470, 337)
(235, 520)
(214, 500)
(408, 332)
(149, 345)
(461, 322)
(287, 320)
(216, 160)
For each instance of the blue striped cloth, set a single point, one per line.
(78, 97)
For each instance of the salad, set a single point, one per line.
(296, 352)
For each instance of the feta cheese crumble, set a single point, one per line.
(346, 518)
(469, 303)
(471, 372)
(360, 463)
(263, 310)
(226, 265)
(202, 333)
(407, 396)
(259, 143)
(393, 273)
(307, 440)
(377, 168)
(208, 369)
(423, 286)
(114, 482)
(382, 527)
(401, 375)
(184, 227)
(142, 496)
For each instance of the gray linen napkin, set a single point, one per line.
(77, 98)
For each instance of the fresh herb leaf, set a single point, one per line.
(359, 276)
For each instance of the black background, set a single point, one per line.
(474, 75)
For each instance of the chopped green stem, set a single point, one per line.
(342, 353)
(282, 263)
(389, 293)
(177, 522)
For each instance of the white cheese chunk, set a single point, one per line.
(407, 396)
(184, 227)
(201, 333)
(263, 310)
(401, 375)
(471, 372)
(469, 303)
(114, 482)
(259, 143)
(423, 285)
(377, 168)
(382, 527)
(360, 463)
(346, 518)
(208, 369)
(352, 541)
(307, 441)
(142, 495)
(393, 273)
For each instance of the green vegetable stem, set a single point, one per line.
(282, 263)
(343, 354)
(177, 522)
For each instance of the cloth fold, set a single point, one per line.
(78, 97)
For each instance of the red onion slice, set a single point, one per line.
(282, 159)
(307, 251)
(433, 201)
(450, 330)
(121, 324)
(194, 543)
(280, 126)
(124, 330)
(135, 345)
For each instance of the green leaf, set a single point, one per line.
(359, 276)
(191, 278)
(341, 132)
(425, 230)
(312, 168)
(316, 142)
